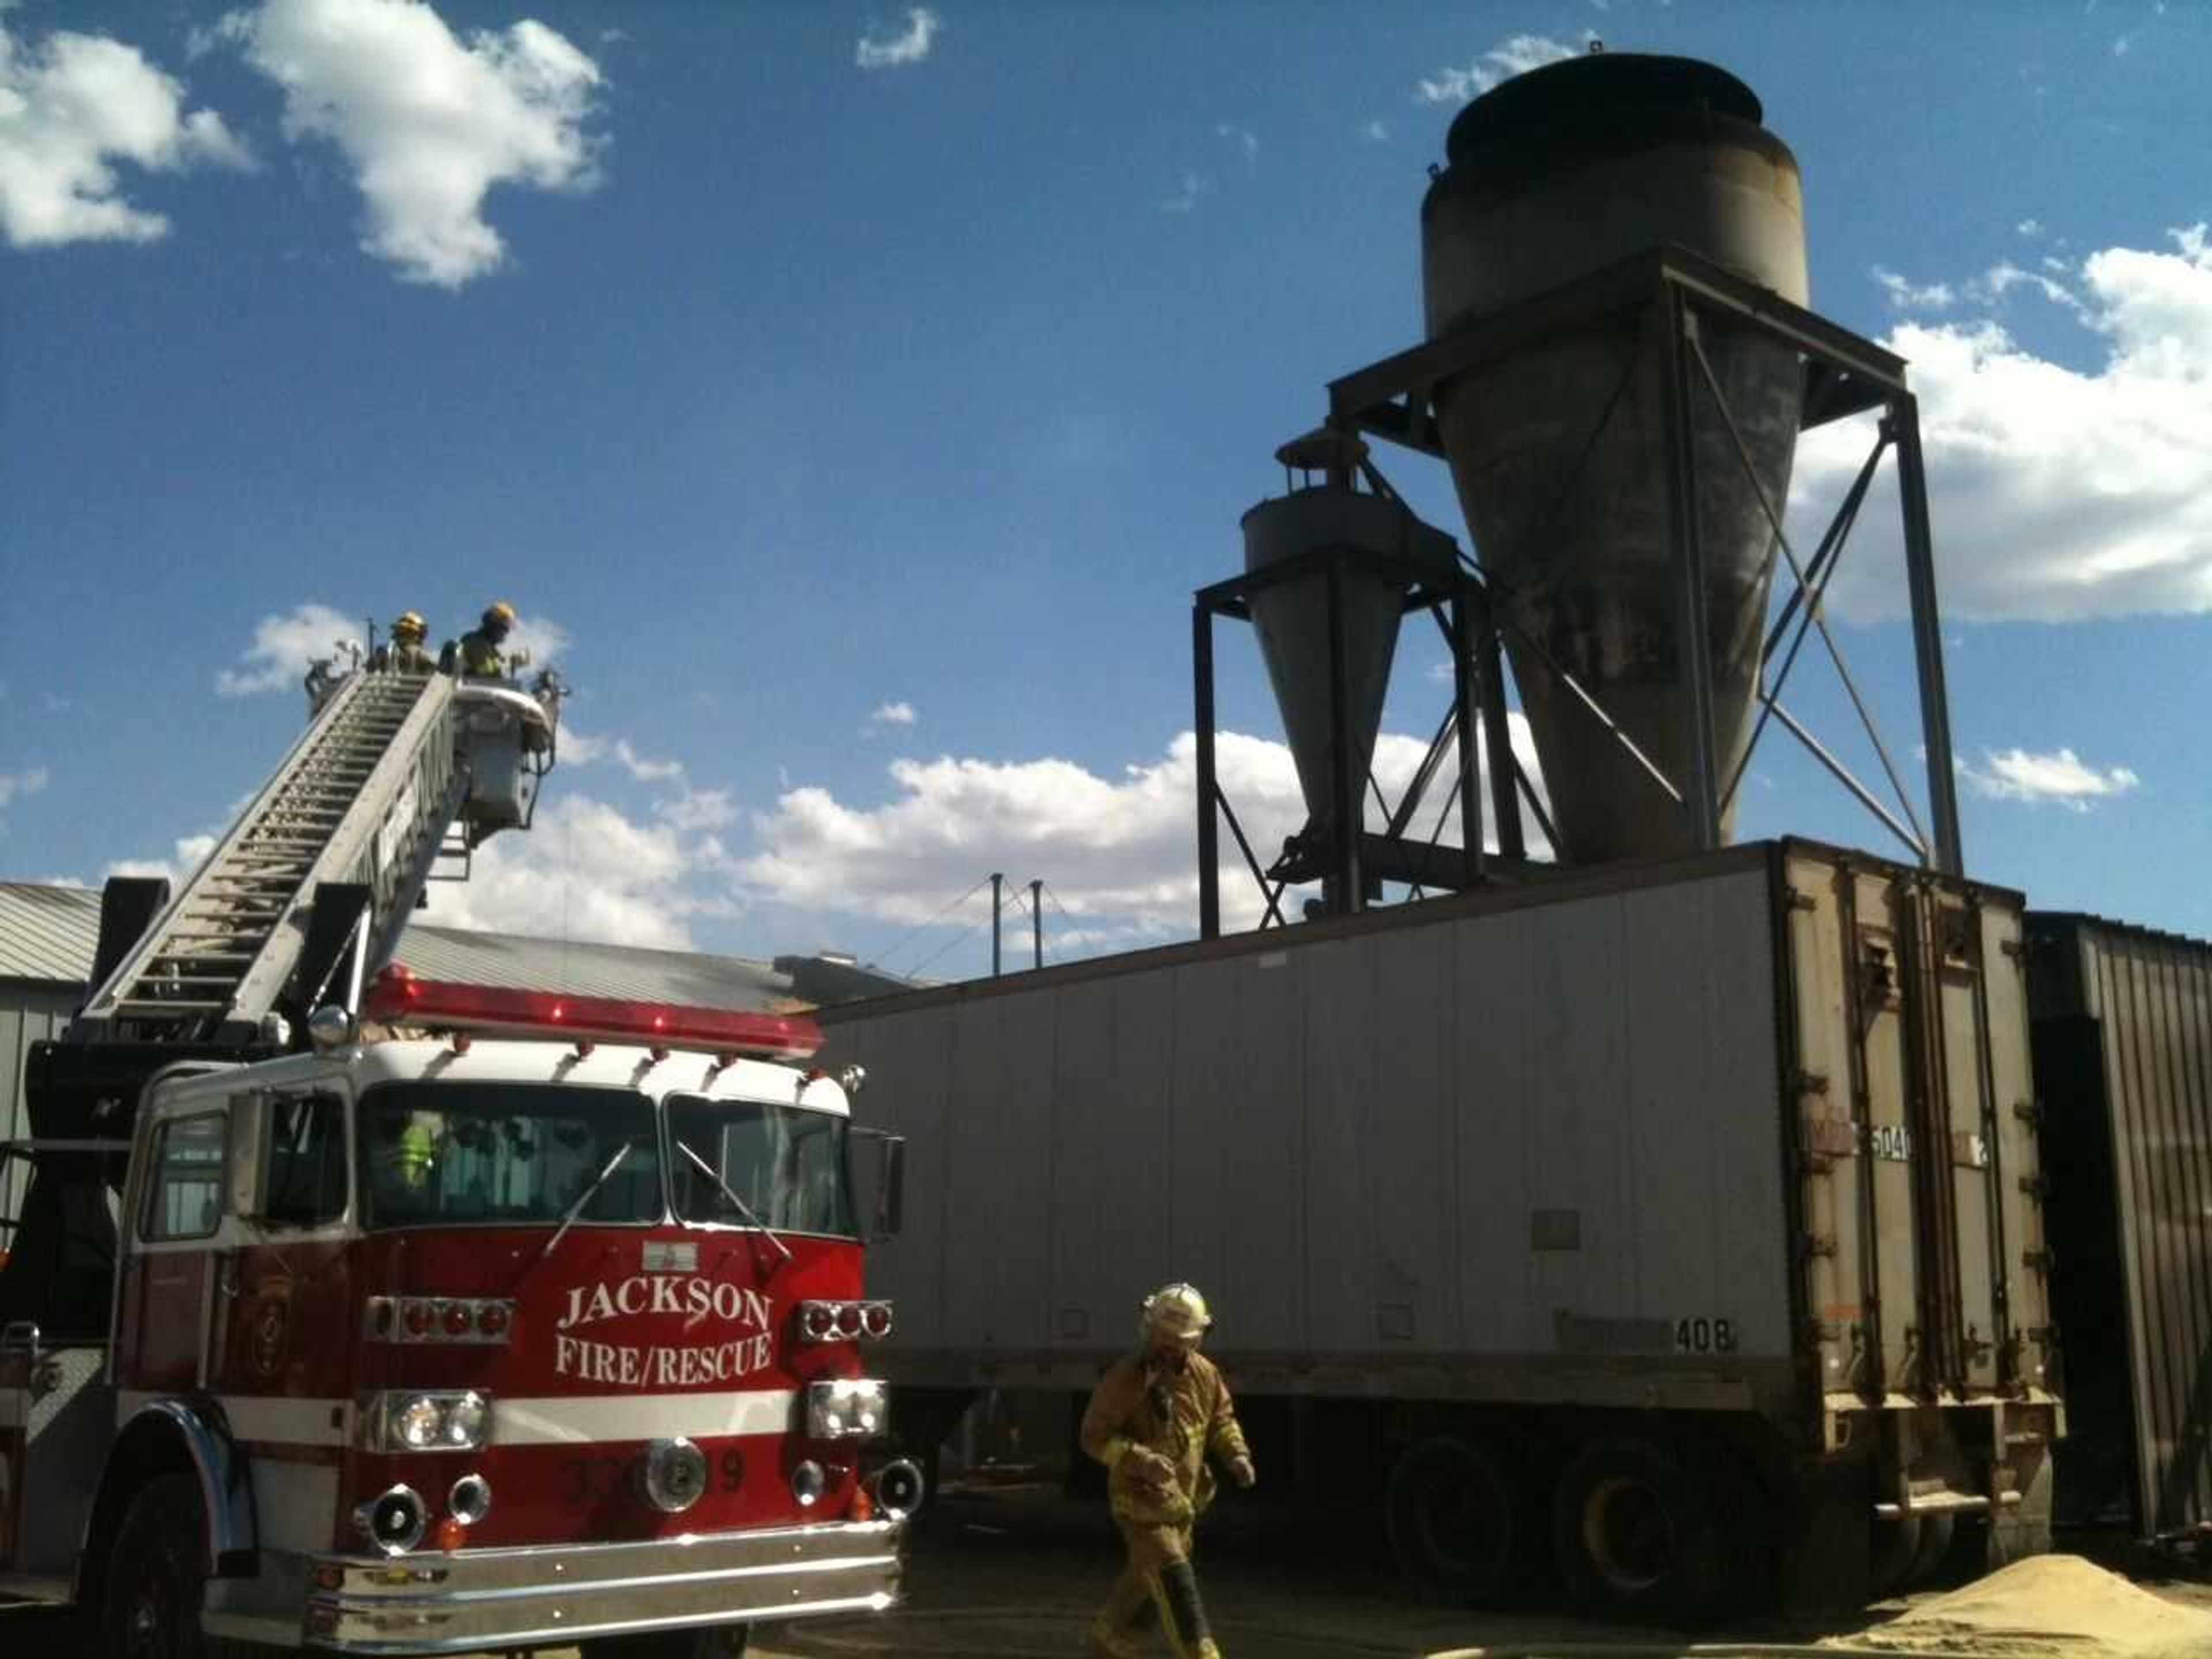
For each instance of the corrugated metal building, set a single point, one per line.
(48, 935)
(2123, 1071)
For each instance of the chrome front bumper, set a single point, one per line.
(431, 1602)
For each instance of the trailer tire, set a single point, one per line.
(714, 1642)
(1454, 1520)
(1892, 1556)
(1936, 1534)
(1638, 1531)
(156, 1577)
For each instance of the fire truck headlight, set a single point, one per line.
(418, 1422)
(435, 1419)
(464, 1425)
(848, 1408)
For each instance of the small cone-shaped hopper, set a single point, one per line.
(1560, 450)
(1383, 542)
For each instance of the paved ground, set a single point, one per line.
(1015, 1574)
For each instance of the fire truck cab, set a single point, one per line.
(493, 1320)
(350, 1310)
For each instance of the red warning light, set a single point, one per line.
(399, 997)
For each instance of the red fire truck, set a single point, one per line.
(379, 1315)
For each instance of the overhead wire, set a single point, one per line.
(899, 944)
(965, 934)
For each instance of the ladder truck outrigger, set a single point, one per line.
(356, 1311)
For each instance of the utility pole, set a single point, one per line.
(997, 895)
(1036, 922)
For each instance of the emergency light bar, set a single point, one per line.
(398, 998)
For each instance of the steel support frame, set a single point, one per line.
(1673, 291)
(1458, 601)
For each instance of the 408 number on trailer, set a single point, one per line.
(1705, 1335)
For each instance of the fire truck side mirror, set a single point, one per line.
(246, 1186)
(889, 1181)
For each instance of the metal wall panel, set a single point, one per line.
(2150, 996)
(28, 1013)
(1452, 1143)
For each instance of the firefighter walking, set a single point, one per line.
(1153, 1420)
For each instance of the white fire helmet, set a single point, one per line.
(1176, 1312)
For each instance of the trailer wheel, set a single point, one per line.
(1453, 1521)
(1908, 1553)
(716, 1642)
(1936, 1534)
(1638, 1532)
(156, 1575)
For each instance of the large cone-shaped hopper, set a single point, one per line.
(1560, 450)
(1380, 542)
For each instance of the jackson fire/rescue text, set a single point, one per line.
(663, 1365)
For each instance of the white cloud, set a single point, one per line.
(71, 108)
(2022, 775)
(2055, 492)
(541, 638)
(429, 123)
(1993, 284)
(1189, 189)
(1906, 296)
(1375, 131)
(2030, 228)
(587, 870)
(580, 748)
(700, 810)
(1243, 137)
(282, 648)
(190, 852)
(644, 769)
(1115, 852)
(1516, 56)
(892, 714)
(910, 45)
(19, 785)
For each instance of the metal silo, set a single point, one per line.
(1328, 636)
(1559, 448)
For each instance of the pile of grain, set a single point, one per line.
(2047, 1607)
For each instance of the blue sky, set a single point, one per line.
(853, 398)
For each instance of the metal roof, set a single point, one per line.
(595, 970)
(49, 933)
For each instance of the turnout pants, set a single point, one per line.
(1157, 1583)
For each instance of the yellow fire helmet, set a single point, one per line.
(408, 625)
(502, 612)
(1177, 1312)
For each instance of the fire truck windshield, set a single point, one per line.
(512, 1154)
(788, 1164)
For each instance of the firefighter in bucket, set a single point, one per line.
(1154, 1419)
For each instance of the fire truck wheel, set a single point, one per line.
(1454, 1524)
(156, 1574)
(1637, 1529)
(718, 1641)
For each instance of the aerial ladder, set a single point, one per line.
(303, 900)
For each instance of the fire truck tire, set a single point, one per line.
(156, 1574)
(716, 1642)
(1455, 1525)
(1638, 1532)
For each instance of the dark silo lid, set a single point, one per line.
(1597, 85)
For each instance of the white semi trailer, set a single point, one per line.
(1678, 1222)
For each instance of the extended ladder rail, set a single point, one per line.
(364, 796)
